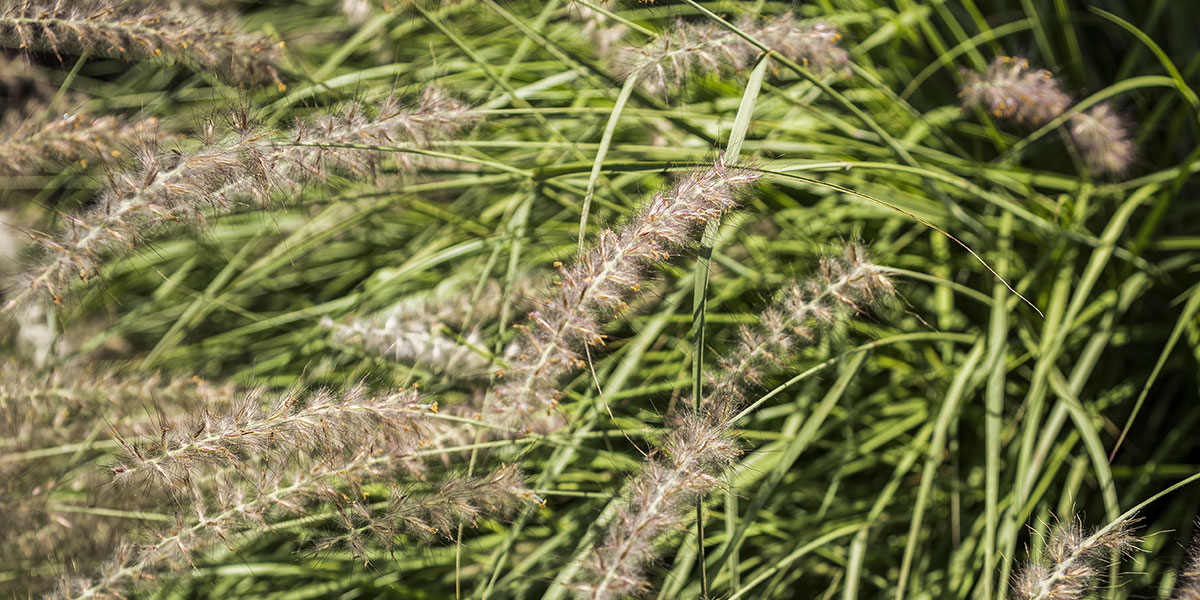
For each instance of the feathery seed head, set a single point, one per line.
(595, 287)
(1010, 89)
(1187, 586)
(235, 163)
(253, 431)
(843, 286)
(30, 143)
(1072, 561)
(1103, 139)
(667, 61)
(599, 30)
(697, 450)
(816, 46)
(201, 41)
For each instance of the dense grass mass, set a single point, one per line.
(674, 299)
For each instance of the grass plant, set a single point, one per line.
(571, 298)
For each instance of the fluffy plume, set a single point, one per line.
(46, 408)
(253, 431)
(414, 339)
(598, 29)
(139, 31)
(441, 331)
(51, 437)
(1072, 561)
(817, 46)
(28, 144)
(701, 444)
(595, 287)
(260, 461)
(1103, 139)
(254, 498)
(356, 11)
(1010, 89)
(843, 285)
(708, 47)
(1187, 581)
(689, 465)
(230, 167)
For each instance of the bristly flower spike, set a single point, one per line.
(140, 31)
(1072, 561)
(688, 48)
(28, 146)
(1103, 139)
(701, 446)
(1010, 89)
(596, 285)
(233, 166)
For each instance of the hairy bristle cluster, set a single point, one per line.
(233, 165)
(1072, 561)
(440, 332)
(689, 464)
(246, 500)
(701, 445)
(1103, 139)
(264, 460)
(817, 46)
(411, 339)
(430, 512)
(688, 48)
(28, 144)
(1187, 581)
(843, 285)
(252, 431)
(46, 408)
(1010, 89)
(138, 31)
(595, 287)
(43, 487)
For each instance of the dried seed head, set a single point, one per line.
(1072, 561)
(29, 143)
(707, 47)
(599, 30)
(816, 46)
(236, 163)
(843, 286)
(700, 445)
(595, 287)
(1187, 583)
(1010, 89)
(1103, 139)
(695, 454)
(202, 41)
(253, 432)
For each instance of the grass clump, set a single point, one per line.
(598, 299)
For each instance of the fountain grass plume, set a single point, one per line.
(593, 289)
(29, 143)
(234, 163)
(701, 446)
(251, 500)
(254, 431)
(1011, 89)
(198, 40)
(1072, 561)
(668, 61)
(1103, 139)
(1187, 580)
